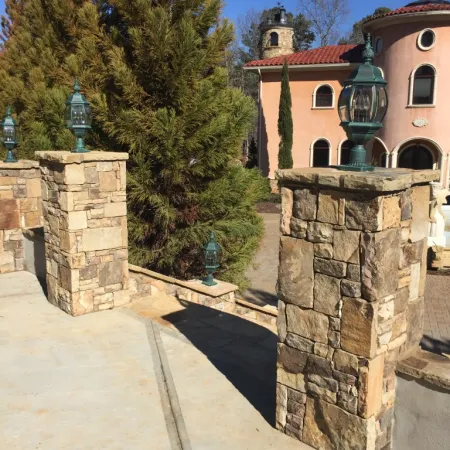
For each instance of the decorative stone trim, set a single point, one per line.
(420, 122)
(20, 209)
(351, 285)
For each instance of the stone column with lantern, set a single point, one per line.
(85, 221)
(351, 284)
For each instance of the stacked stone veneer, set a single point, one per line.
(20, 209)
(351, 285)
(85, 224)
(285, 42)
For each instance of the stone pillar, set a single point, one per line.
(20, 209)
(351, 285)
(85, 224)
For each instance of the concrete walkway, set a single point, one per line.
(157, 375)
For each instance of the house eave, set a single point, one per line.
(303, 67)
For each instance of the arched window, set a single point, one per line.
(321, 153)
(323, 97)
(345, 151)
(274, 39)
(416, 157)
(383, 159)
(423, 86)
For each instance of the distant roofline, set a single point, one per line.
(329, 56)
(327, 66)
(408, 14)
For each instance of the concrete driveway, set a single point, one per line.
(159, 375)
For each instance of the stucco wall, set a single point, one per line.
(422, 416)
(399, 57)
(309, 124)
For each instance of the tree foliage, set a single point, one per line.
(326, 17)
(357, 36)
(154, 73)
(285, 122)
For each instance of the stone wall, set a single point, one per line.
(85, 224)
(20, 209)
(351, 285)
(285, 42)
(145, 283)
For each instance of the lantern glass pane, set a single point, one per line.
(344, 103)
(78, 115)
(382, 104)
(362, 104)
(9, 133)
(211, 258)
(68, 116)
(88, 111)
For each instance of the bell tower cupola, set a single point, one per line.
(277, 34)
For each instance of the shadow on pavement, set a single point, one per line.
(246, 353)
(260, 297)
(433, 345)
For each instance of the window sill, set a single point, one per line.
(421, 106)
(323, 107)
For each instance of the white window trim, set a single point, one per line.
(411, 87)
(419, 38)
(314, 97)
(311, 151)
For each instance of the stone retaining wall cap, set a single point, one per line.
(78, 158)
(19, 165)
(380, 180)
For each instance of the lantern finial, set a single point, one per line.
(368, 53)
(76, 85)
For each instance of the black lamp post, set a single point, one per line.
(9, 136)
(362, 106)
(78, 117)
(211, 252)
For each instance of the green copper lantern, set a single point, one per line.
(211, 252)
(9, 136)
(78, 117)
(362, 106)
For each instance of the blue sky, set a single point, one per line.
(358, 8)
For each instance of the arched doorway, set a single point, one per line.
(416, 156)
(379, 154)
(346, 148)
(321, 153)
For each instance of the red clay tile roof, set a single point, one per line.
(413, 9)
(331, 54)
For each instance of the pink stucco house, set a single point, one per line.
(412, 47)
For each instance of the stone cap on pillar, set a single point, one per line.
(23, 164)
(78, 158)
(380, 180)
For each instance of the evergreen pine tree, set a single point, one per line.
(252, 155)
(153, 73)
(285, 123)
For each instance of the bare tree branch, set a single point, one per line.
(326, 17)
